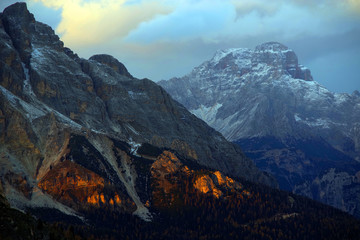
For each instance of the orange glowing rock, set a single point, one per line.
(220, 178)
(206, 185)
(212, 182)
(187, 171)
(94, 199)
(217, 193)
(102, 198)
(117, 199)
(71, 182)
(111, 201)
(166, 163)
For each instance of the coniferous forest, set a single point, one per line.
(250, 212)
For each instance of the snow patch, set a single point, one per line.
(134, 147)
(37, 56)
(220, 54)
(318, 122)
(131, 94)
(208, 114)
(271, 50)
(341, 97)
(261, 69)
(37, 53)
(297, 118)
(27, 86)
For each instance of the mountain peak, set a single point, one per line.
(26, 33)
(238, 53)
(237, 74)
(356, 93)
(275, 57)
(21, 12)
(273, 46)
(17, 21)
(112, 63)
(293, 127)
(281, 57)
(63, 103)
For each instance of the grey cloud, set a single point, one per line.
(310, 47)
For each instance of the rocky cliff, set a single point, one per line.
(70, 128)
(269, 104)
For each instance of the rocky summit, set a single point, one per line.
(294, 128)
(71, 130)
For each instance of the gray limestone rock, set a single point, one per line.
(269, 104)
(57, 109)
(113, 63)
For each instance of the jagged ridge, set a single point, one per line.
(60, 113)
(293, 127)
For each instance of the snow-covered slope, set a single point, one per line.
(264, 96)
(247, 93)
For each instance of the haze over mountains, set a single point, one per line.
(294, 128)
(97, 153)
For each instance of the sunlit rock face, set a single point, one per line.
(214, 182)
(70, 128)
(205, 184)
(270, 105)
(73, 184)
(165, 165)
(225, 181)
(169, 175)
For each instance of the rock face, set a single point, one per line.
(70, 128)
(269, 104)
(334, 187)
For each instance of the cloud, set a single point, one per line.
(160, 39)
(263, 8)
(213, 20)
(94, 22)
(191, 19)
(91, 22)
(319, 8)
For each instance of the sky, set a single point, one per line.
(161, 39)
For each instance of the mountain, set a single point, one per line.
(61, 115)
(87, 151)
(293, 128)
